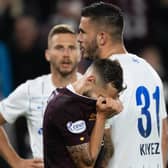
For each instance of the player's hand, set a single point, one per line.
(108, 107)
(29, 163)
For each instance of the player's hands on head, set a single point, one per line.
(30, 163)
(108, 107)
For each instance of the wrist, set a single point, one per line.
(101, 116)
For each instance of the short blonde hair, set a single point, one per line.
(61, 28)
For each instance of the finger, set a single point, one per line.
(100, 99)
(109, 101)
(38, 160)
(119, 106)
(38, 165)
(114, 105)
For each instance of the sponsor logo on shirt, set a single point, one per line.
(76, 127)
(92, 116)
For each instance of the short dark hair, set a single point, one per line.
(110, 71)
(108, 15)
(59, 29)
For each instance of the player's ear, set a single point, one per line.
(91, 79)
(101, 38)
(47, 56)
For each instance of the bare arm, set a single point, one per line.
(85, 155)
(108, 148)
(9, 154)
(165, 141)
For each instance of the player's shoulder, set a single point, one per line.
(35, 85)
(39, 79)
(127, 58)
(79, 75)
(131, 61)
(63, 97)
(137, 68)
(57, 103)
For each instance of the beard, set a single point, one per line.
(92, 51)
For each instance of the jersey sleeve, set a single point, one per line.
(16, 104)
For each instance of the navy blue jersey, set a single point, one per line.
(68, 120)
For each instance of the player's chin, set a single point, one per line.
(65, 67)
(83, 53)
(66, 71)
(87, 56)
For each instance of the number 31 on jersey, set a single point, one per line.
(144, 98)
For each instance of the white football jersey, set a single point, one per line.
(30, 100)
(136, 132)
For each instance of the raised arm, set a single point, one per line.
(108, 149)
(85, 155)
(9, 154)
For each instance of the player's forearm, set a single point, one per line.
(97, 136)
(85, 155)
(6, 150)
(108, 149)
(165, 141)
(90, 155)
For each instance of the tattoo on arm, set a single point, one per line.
(80, 155)
(108, 148)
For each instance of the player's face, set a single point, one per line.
(63, 53)
(88, 39)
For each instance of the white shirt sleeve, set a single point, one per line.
(16, 104)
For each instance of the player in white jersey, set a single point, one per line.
(140, 127)
(139, 134)
(30, 98)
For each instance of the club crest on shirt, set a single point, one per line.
(92, 117)
(76, 127)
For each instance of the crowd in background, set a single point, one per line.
(24, 25)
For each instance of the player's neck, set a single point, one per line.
(111, 49)
(62, 81)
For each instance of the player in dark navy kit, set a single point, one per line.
(75, 116)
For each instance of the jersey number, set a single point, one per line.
(143, 99)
